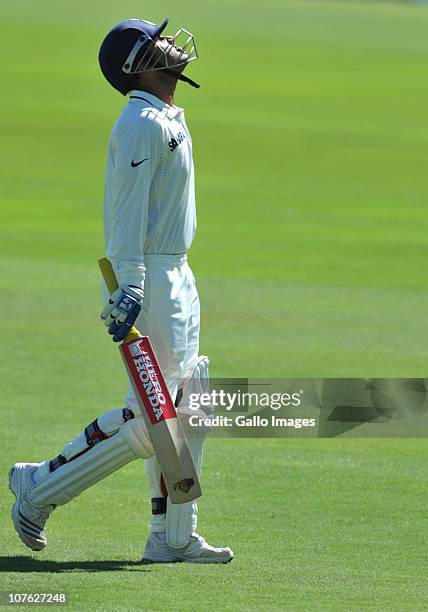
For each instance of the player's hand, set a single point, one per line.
(122, 310)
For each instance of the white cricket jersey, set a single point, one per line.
(149, 199)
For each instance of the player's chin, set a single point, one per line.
(179, 69)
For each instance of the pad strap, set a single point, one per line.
(56, 462)
(159, 505)
(94, 434)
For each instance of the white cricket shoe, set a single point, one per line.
(196, 551)
(29, 521)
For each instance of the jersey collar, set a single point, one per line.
(172, 111)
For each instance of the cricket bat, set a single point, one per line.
(157, 409)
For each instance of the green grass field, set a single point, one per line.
(310, 138)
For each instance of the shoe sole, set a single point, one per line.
(148, 561)
(15, 487)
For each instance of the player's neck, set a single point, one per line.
(164, 90)
(167, 96)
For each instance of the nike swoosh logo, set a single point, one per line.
(135, 164)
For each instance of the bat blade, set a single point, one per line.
(160, 416)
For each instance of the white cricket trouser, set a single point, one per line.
(170, 317)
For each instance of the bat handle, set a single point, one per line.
(112, 284)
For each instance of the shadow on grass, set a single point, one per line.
(29, 564)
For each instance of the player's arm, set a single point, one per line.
(135, 158)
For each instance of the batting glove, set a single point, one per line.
(122, 310)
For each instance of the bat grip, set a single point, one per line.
(112, 284)
(108, 274)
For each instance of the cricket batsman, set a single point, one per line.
(149, 223)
